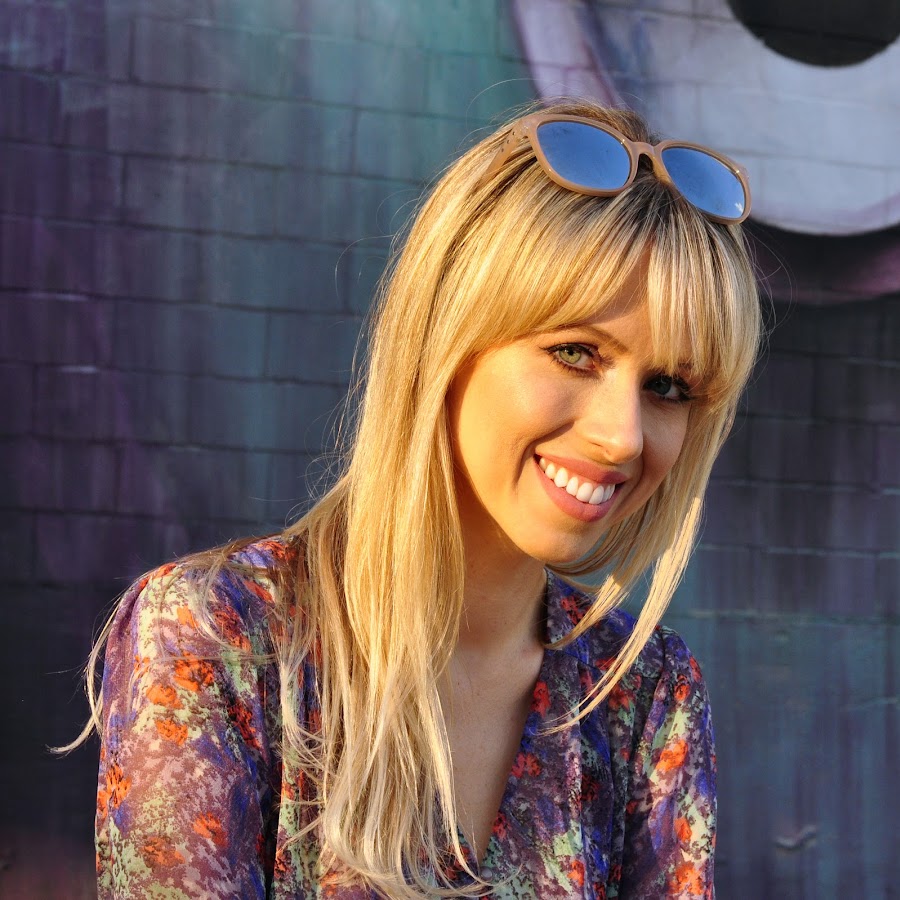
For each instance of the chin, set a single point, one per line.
(562, 553)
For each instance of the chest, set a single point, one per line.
(487, 717)
(542, 811)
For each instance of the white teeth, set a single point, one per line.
(585, 491)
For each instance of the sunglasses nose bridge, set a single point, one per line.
(640, 148)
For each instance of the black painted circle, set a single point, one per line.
(822, 32)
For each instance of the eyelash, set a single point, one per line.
(685, 395)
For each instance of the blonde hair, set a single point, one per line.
(379, 592)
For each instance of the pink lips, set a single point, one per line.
(565, 501)
(588, 470)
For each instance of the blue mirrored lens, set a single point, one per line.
(709, 184)
(584, 154)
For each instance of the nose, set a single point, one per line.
(613, 421)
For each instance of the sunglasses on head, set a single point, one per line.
(589, 158)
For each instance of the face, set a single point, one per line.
(560, 434)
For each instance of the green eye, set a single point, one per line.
(666, 387)
(571, 354)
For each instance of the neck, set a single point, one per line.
(503, 600)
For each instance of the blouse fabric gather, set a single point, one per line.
(194, 799)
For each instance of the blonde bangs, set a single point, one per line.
(542, 258)
(703, 310)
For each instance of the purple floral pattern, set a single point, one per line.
(195, 801)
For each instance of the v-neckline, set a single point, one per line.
(536, 713)
(557, 623)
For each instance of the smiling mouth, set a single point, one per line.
(587, 492)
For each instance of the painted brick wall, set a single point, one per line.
(194, 202)
(791, 603)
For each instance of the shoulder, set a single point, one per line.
(206, 603)
(665, 656)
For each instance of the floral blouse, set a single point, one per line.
(193, 797)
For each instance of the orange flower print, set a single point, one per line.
(172, 731)
(164, 695)
(570, 605)
(673, 756)
(682, 691)
(696, 674)
(159, 852)
(541, 699)
(185, 617)
(281, 867)
(501, 825)
(686, 879)
(243, 718)
(683, 829)
(256, 588)
(576, 872)
(115, 788)
(619, 699)
(277, 550)
(209, 826)
(526, 762)
(161, 572)
(231, 627)
(192, 673)
(141, 664)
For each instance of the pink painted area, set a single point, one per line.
(557, 43)
(805, 253)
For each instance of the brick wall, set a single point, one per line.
(194, 202)
(791, 603)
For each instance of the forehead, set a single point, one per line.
(629, 316)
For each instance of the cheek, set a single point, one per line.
(667, 440)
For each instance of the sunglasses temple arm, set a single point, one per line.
(501, 156)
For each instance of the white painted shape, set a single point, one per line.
(893, 189)
(682, 7)
(712, 9)
(552, 32)
(657, 45)
(802, 195)
(677, 107)
(788, 122)
(557, 81)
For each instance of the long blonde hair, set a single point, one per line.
(379, 590)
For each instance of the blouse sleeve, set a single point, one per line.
(185, 794)
(671, 814)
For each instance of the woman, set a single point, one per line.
(400, 695)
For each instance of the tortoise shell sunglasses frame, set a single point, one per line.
(527, 129)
